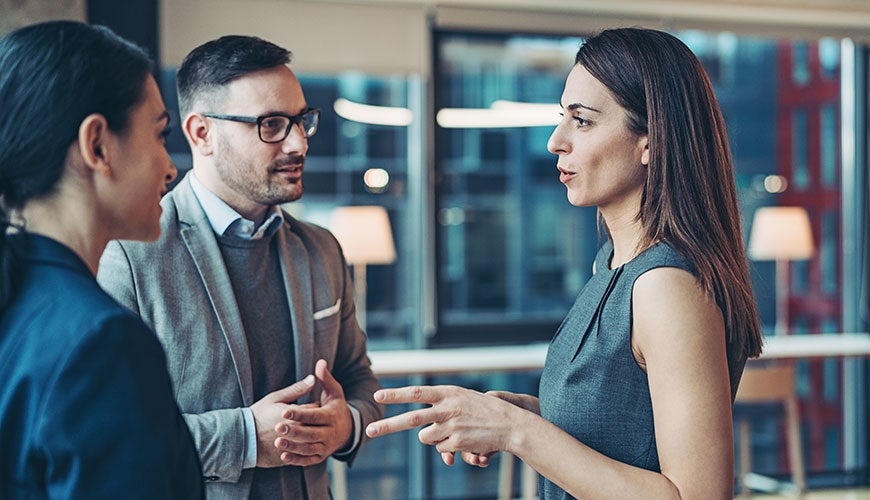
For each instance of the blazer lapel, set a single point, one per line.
(296, 270)
(198, 235)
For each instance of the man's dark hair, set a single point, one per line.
(214, 64)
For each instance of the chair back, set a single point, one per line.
(763, 384)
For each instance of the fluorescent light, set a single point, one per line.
(373, 115)
(502, 114)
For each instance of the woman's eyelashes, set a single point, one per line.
(581, 122)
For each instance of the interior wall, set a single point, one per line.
(324, 36)
(18, 13)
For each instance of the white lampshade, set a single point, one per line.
(781, 233)
(364, 233)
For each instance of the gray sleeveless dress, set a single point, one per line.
(591, 386)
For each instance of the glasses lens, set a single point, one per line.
(274, 128)
(310, 119)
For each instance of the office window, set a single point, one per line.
(800, 175)
(829, 254)
(341, 154)
(829, 151)
(799, 280)
(829, 57)
(512, 252)
(801, 63)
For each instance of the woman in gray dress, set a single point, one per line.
(636, 394)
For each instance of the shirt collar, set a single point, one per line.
(226, 221)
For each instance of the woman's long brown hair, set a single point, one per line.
(690, 198)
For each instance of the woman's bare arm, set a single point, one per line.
(679, 337)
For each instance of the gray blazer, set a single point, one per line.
(180, 287)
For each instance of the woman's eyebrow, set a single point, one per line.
(577, 105)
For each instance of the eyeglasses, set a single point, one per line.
(276, 126)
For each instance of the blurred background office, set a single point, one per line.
(428, 113)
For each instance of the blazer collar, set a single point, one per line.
(44, 250)
(224, 219)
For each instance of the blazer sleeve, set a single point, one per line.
(110, 427)
(219, 435)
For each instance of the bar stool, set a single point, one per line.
(769, 384)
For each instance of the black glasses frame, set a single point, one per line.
(294, 119)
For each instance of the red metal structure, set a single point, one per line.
(808, 89)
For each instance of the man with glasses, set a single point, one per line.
(253, 307)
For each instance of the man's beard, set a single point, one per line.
(263, 191)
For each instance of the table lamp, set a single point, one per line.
(781, 234)
(366, 238)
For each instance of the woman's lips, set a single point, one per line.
(565, 175)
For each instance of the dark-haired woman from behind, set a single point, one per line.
(86, 406)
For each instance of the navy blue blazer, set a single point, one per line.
(86, 405)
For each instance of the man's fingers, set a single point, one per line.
(288, 413)
(294, 391)
(331, 388)
(309, 415)
(304, 433)
(402, 422)
(301, 448)
(289, 458)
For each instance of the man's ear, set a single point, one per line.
(93, 143)
(199, 133)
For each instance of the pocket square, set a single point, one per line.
(329, 311)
